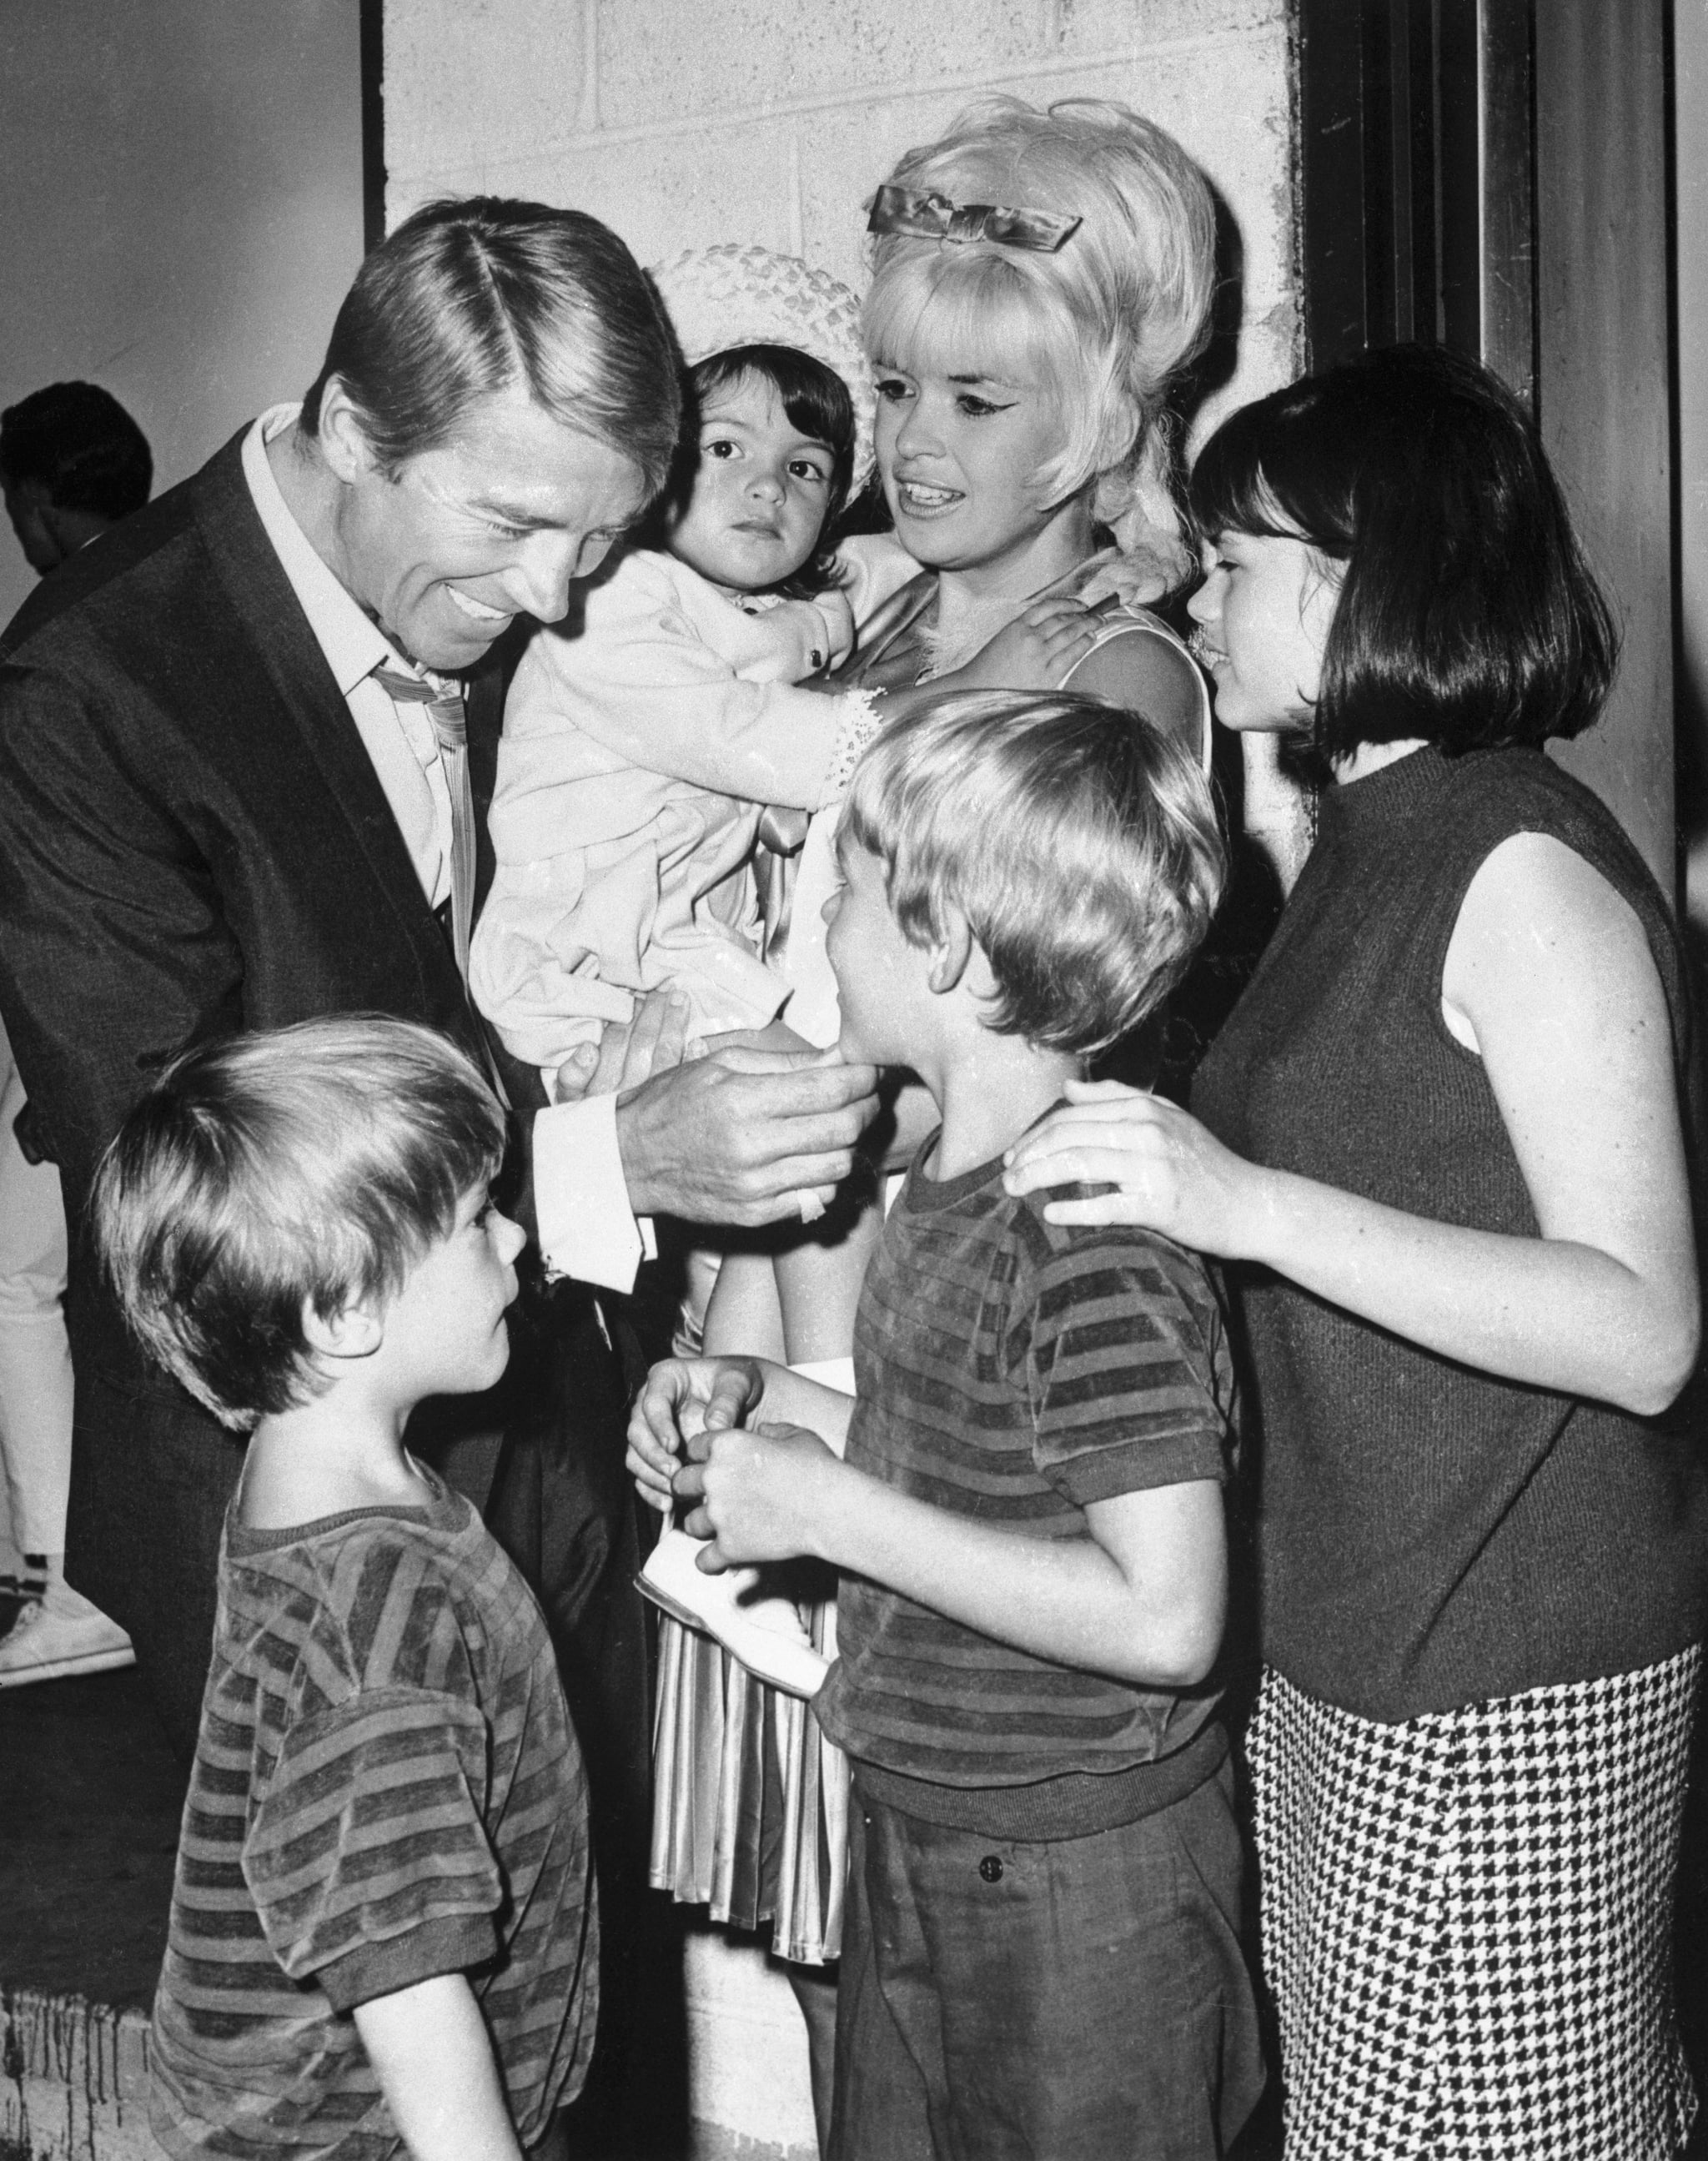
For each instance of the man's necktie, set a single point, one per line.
(444, 711)
(776, 862)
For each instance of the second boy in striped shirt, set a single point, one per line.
(383, 1934)
(1041, 1956)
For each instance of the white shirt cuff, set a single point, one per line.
(587, 1229)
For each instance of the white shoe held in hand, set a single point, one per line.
(766, 1633)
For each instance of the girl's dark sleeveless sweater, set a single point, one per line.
(1430, 1535)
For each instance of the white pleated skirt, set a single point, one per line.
(750, 1801)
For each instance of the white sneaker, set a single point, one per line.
(58, 1635)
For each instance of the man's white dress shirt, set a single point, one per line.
(586, 1226)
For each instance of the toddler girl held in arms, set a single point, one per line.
(643, 744)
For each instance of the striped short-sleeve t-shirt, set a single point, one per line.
(1016, 1371)
(386, 1788)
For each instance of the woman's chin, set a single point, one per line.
(931, 543)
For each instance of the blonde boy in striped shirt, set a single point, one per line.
(1041, 1951)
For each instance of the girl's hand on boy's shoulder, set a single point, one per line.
(1166, 1171)
(761, 1493)
(683, 1402)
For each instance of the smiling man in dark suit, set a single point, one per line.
(246, 742)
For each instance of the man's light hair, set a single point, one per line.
(261, 1174)
(1079, 840)
(473, 296)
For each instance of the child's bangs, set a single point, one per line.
(958, 311)
(1251, 478)
(814, 397)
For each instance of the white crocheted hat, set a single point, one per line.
(734, 294)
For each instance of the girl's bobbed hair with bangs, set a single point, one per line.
(1467, 616)
(1106, 320)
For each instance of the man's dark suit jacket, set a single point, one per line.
(193, 840)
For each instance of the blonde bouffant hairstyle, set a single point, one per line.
(1106, 321)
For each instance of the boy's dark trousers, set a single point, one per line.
(1003, 2000)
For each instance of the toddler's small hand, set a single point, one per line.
(808, 633)
(1036, 650)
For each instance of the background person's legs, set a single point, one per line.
(57, 1631)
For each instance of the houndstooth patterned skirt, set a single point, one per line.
(1467, 1922)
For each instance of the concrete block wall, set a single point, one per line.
(682, 122)
(183, 209)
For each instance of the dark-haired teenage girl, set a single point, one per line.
(1441, 1145)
